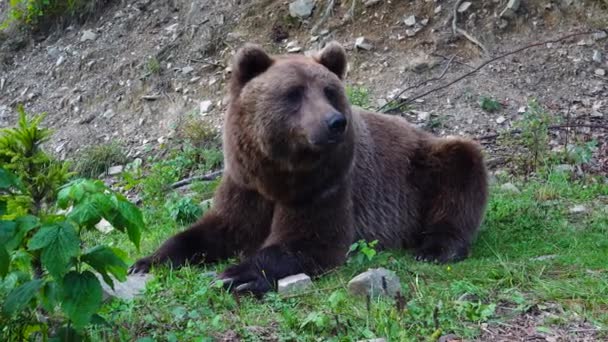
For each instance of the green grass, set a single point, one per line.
(500, 280)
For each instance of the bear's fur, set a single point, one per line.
(306, 175)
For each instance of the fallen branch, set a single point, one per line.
(475, 70)
(396, 97)
(456, 30)
(326, 14)
(552, 127)
(208, 177)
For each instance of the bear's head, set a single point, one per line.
(290, 109)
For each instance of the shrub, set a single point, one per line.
(95, 160)
(37, 14)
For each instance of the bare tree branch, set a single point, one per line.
(208, 177)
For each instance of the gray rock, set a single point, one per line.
(115, 170)
(294, 283)
(104, 226)
(597, 56)
(600, 35)
(510, 9)
(301, 8)
(370, 3)
(187, 70)
(2, 83)
(127, 290)
(363, 44)
(501, 119)
(578, 209)
(375, 282)
(464, 7)
(60, 61)
(563, 168)
(509, 187)
(88, 35)
(410, 21)
(437, 9)
(205, 107)
(600, 72)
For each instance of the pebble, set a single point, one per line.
(464, 7)
(294, 283)
(500, 120)
(205, 107)
(597, 56)
(410, 21)
(437, 9)
(563, 168)
(127, 290)
(600, 35)
(187, 70)
(115, 170)
(578, 209)
(301, 8)
(88, 35)
(375, 282)
(104, 226)
(363, 43)
(509, 187)
(600, 72)
(370, 3)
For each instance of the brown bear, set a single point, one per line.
(307, 174)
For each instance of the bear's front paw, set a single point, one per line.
(439, 253)
(247, 278)
(142, 265)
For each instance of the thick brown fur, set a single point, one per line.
(306, 175)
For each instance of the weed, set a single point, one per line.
(94, 160)
(183, 209)
(198, 132)
(490, 105)
(152, 66)
(358, 96)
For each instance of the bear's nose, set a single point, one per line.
(336, 123)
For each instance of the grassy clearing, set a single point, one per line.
(530, 250)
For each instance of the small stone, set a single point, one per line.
(205, 107)
(510, 9)
(502, 24)
(294, 49)
(522, 109)
(464, 7)
(187, 70)
(501, 119)
(375, 282)
(578, 209)
(423, 116)
(88, 35)
(363, 43)
(370, 3)
(424, 21)
(294, 283)
(60, 61)
(600, 35)
(437, 9)
(104, 226)
(127, 290)
(600, 72)
(115, 170)
(410, 21)
(509, 187)
(301, 8)
(563, 168)
(597, 56)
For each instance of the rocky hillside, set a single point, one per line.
(140, 67)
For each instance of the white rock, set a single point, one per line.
(600, 72)
(563, 168)
(60, 61)
(600, 35)
(115, 170)
(294, 49)
(500, 120)
(187, 70)
(363, 43)
(410, 21)
(522, 109)
(509, 187)
(375, 282)
(464, 7)
(127, 290)
(88, 35)
(370, 3)
(423, 116)
(301, 8)
(104, 226)
(597, 56)
(437, 9)
(510, 9)
(424, 21)
(205, 106)
(578, 209)
(294, 283)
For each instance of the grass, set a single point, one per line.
(95, 160)
(503, 274)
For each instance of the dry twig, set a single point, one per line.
(208, 177)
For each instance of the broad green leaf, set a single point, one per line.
(86, 213)
(20, 297)
(59, 242)
(2, 207)
(73, 191)
(50, 295)
(81, 296)
(9, 180)
(5, 260)
(23, 225)
(104, 260)
(7, 231)
(134, 220)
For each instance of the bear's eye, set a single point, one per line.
(332, 95)
(294, 95)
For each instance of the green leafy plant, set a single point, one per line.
(362, 252)
(47, 272)
(358, 96)
(490, 105)
(183, 210)
(37, 13)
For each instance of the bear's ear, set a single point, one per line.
(333, 57)
(250, 61)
